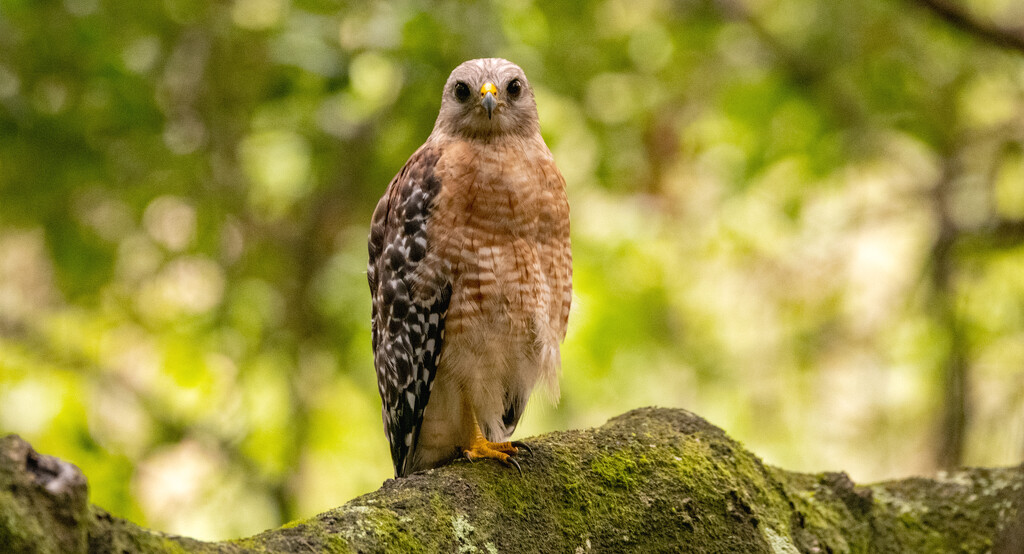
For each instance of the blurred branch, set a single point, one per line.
(1004, 37)
(844, 103)
(1000, 233)
(996, 231)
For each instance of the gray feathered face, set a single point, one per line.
(485, 98)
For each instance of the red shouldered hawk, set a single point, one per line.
(471, 274)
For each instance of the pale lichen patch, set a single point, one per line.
(780, 543)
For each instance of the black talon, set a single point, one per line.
(523, 445)
(512, 462)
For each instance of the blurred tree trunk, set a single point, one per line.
(999, 233)
(952, 423)
(652, 480)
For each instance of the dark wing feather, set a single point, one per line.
(514, 406)
(408, 325)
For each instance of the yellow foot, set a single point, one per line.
(481, 448)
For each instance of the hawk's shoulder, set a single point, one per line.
(408, 196)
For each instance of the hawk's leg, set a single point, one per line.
(480, 448)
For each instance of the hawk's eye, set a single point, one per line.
(461, 91)
(514, 88)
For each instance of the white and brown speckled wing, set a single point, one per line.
(410, 302)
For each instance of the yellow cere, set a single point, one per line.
(488, 87)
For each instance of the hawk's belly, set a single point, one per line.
(499, 341)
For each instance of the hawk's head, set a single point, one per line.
(487, 97)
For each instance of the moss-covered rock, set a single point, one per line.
(652, 480)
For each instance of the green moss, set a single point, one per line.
(17, 532)
(170, 545)
(392, 536)
(619, 469)
(502, 489)
(693, 462)
(576, 496)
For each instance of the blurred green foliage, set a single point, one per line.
(797, 219)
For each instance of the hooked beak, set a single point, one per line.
(488, 99)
